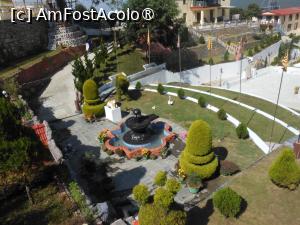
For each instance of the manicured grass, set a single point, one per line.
(266, 203)
(258, 103)
(24, 64)
(129, 60)
(183, 112)
(256, 122)
(50, 207)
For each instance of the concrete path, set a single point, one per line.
(267, 86)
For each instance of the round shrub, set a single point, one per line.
(151, 214)
(180, 93)
(163, 198)
(160, 178)
(141, 194)
(202, 102)
(228, 202)
(285, 171)
(175, 218)
(198, 157)
(160, 89)
(173, 185)
(90, 90)
(138, 86)
(222, 114)
(242, 131)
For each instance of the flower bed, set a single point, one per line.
(139, 152)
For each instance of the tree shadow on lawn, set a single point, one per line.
(200, 216)
(244, 206)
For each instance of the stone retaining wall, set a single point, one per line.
(21, 39)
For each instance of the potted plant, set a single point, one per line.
(297, 148)
(181, 175)
(194, 183)
(146, 153)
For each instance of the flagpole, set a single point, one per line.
(276, 108)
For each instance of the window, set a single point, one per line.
(184, 2)
(290, 17)
(289, 27)
(297, 16)
(295, 26)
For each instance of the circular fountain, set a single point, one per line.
(139, 133)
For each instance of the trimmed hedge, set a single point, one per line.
(199, 160)
(222, 114)
(163, 198)
(141, 194)
(97, 110)
(285, 172)
(138, 86)
(199, 138)
(90, 90)
(228, 202)
(242, 131)
(202, 102)
(180, 93)
(173, 185)
(160, 89)
(198, 157)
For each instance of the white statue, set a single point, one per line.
(170, 101)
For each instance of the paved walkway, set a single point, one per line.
(267, 86)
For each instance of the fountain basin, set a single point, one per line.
(154, 140)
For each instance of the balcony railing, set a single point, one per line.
(207, 3)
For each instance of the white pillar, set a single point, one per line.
(216, 15)
(202, 18)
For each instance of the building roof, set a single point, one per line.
(282, 12)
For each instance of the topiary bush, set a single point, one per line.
(242, 131)
(141, 194)
(138, 86)
(173, 185)
(180, 93)
(163, 198)
(202, 102)
(285, 172)
(228, 168)
(92, 105)
(222, 115)
(122, 83)
(152, 214)
(160, 178)
(160, 89)
(198, 156)
(228, 202)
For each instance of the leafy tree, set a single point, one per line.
(138, 86)
(81, 8)
(101, 55)
(80, 73)
(189, 60)
(222, 114)
(166, 12)
(173, 185)
(253, 10)
(226, 56)
(202, 102)
(180, 93)
(141, 194)
(250, 52)
(160, 89)
(242, 131)
(122, 84)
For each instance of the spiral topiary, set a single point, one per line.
(92, 104)
(198, 157)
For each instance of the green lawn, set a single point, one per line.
(24, 64)
(129, 60)
(258, 103)
(258, 123)
(242, 152)
(266, 203)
